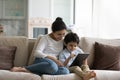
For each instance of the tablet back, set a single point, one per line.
(79, 59)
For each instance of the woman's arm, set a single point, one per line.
(40, 48)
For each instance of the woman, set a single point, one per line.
(46, 53)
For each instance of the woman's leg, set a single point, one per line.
(19, 69)
(43, 66)
(40, 66)
(62, 70)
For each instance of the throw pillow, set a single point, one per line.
(7, 55)
(107, 57)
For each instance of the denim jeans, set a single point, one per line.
(46, 66)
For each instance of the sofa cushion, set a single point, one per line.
(107, 75)
(107, 57)
(21, 42)
(87, 45)
(8, 75)
(7, 55)
(71, 76)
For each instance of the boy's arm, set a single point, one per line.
(64, 60)
(68, 59)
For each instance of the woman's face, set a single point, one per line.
(58, 35)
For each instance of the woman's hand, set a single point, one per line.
(59, 63)
(56, 61)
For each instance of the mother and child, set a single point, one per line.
(54, 54)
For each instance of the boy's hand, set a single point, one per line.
(72, 55)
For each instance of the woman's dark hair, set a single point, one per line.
(58, 25)
(71, 37)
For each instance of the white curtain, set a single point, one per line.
(103, 20)
(83, 17)
(106, 18)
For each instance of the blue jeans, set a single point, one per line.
(46, 66)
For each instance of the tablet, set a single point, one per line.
(79, 59)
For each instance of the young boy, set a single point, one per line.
(70, 51)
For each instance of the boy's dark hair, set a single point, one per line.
(58, 25)
(71, 37)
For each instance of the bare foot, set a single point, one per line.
(89, 75)
(19, 69)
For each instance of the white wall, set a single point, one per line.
(64, 9)
(51, 9)
(39, 8)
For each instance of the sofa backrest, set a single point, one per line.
(31, 44)
(87, 45)
(21, 55)
(35, 43)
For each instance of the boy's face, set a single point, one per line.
(71, 46)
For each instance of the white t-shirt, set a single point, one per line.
(48, 46)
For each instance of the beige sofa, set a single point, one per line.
(24, 57)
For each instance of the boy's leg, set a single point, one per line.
(85, 68)
(77, 70)
(83, 75)
(87, 72)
